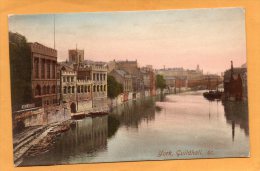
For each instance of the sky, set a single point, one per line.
(210, 38)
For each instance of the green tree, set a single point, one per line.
(20, 70)
(113, 87)
(160, 82)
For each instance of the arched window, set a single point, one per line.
(105, 87)
(86, 89)
(53, 69)
(69, 89)
(65, 90)
(94, 88)
(53, 89)
(48, 89)
(73, 89)
(81, 89)
(37, 90)
(97, 76)
(48, 69)
(36, 68)
(101, 88)
(44, 90)
(97, 88)
(94, 76)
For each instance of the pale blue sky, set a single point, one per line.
(174, 38)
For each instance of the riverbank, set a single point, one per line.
(37, 140)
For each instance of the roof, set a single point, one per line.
(122, 73)
(67, 65)
(236, 72)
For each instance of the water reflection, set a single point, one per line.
(139, 129)
(88, 137)
(132, 113)
(236, 113)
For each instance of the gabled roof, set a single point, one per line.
(236, 72)
(122, 73)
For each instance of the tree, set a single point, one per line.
(20, 69)
(113, 87)
(160, 82)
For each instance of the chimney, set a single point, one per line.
(232, 67)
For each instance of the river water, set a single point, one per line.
(178, 126)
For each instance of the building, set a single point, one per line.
(35, 74)
(99, 77)
(44, 75)
(76, 56)
(149, 80)
(125, 79)
(90, 72)
(235, 83)
(132, 68)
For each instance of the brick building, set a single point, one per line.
(44, 75)
(235, 83)
(125, 79)
(131, 67)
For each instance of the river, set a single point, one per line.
(179, 126)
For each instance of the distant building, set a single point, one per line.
(132, 68)
(76, 56)
(235, 83)
(149, 79)
(124, 78)
(181, 73)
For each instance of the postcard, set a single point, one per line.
(128, 86)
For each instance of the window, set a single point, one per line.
(42, 68)
(78, 89)
(53, 69)
(69, 89)
(73, 89)
(38, 90)
(86, 88)
(94, 88)
(94, 76)
(64, 79)
(105, 88)
(101, 88)
(44, 90)
(98, 88)
(71, 79)
(65, 90)
(68, 79)
(36, 68)
(53, 89)
(81, 89)
(48, 69)
(48, 90)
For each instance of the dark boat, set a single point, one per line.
(212, 95)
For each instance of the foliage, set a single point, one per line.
(20, 70)
(113, 87)
(160, 82)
